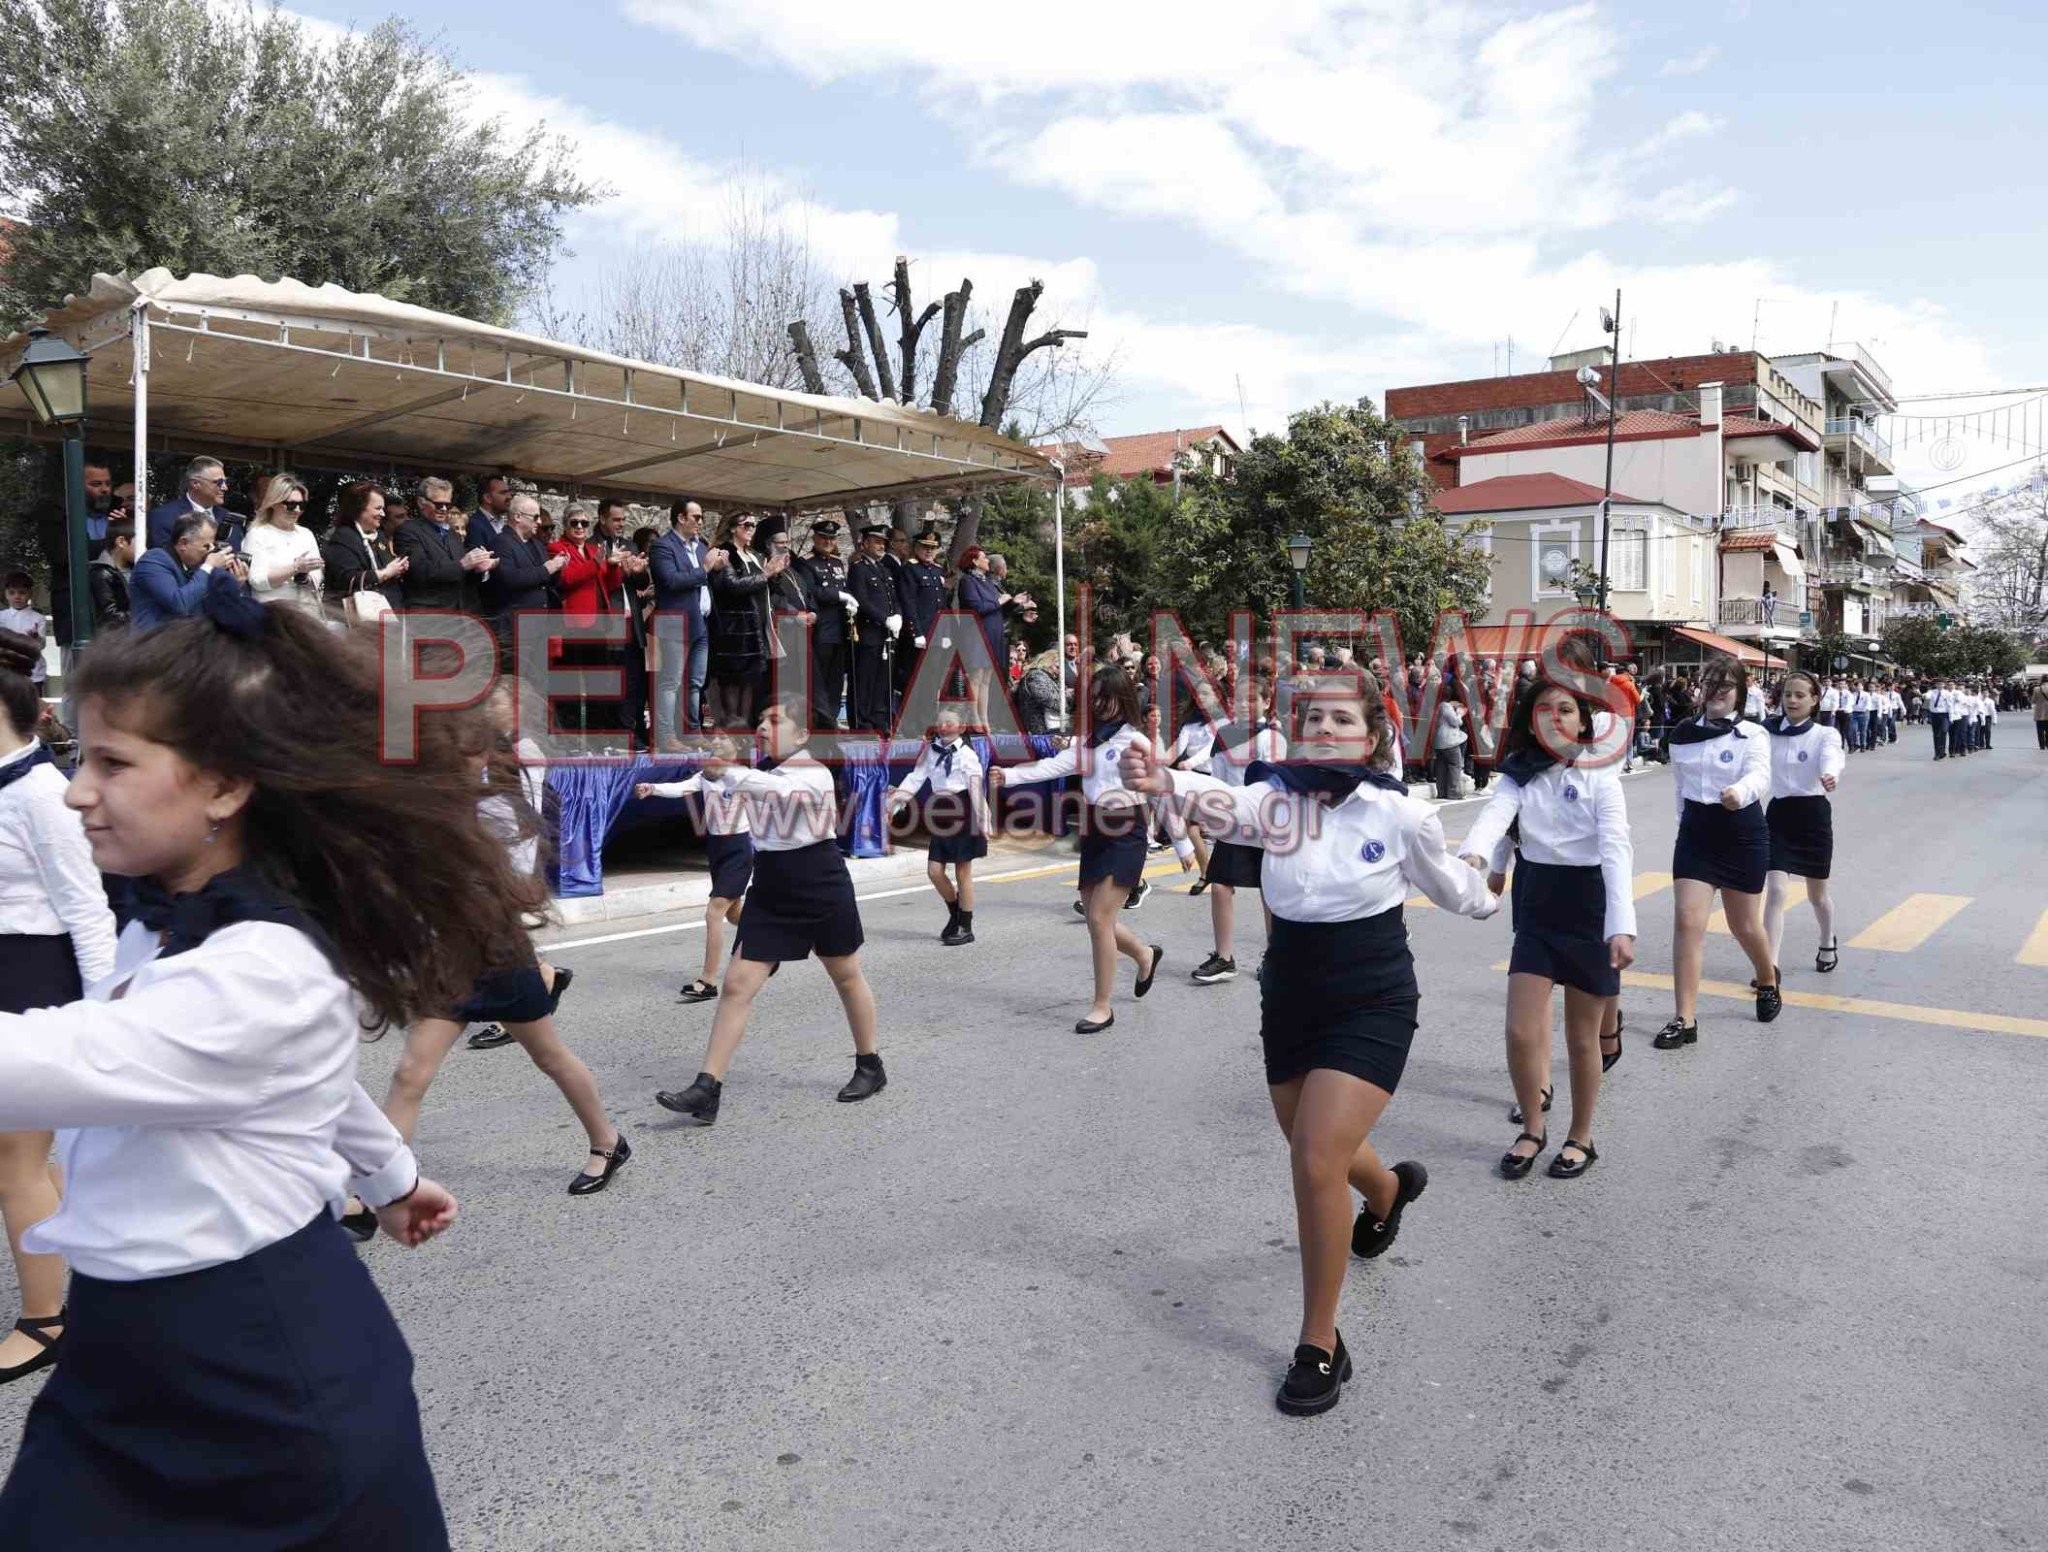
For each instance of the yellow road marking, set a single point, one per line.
(1911, 1013)
(1648, 884)
(1910, 923)
(2035, 950)
(1718, 921)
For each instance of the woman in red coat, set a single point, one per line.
(589, 584)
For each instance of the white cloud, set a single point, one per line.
(1695, 63)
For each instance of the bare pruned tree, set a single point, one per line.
(2010, 588)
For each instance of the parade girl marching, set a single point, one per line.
(1344, 845)
(1807, 760)
(948, 775)
(1574, 906)
(728, 848)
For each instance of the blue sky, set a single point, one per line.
(1314, 199)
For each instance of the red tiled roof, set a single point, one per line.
(1634, 426)
(1749, 539)
(1519, 492)
(1149, 452)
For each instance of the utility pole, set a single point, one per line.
(1613, 325)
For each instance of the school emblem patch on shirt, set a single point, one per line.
(1372, 851)
(1727, 756)
(1802, 757)
(1571, 794)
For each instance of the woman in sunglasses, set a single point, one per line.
(283, 556)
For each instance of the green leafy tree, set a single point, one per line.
(180, 133)
(1986, 649)
(1344, 476)
(1919, 644)
(1113, 545)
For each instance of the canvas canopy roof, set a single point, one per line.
(280, 370)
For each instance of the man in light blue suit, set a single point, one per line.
(682, 563)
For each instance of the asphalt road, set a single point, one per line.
(1038, 1294)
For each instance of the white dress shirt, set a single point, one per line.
(501, 816)
(1799, 760)
(1337, 862)
(725, 812)
(1231, 764)
(1831, 700)
(1102, 782)
(1752, 707)
(208, 1110)
(791, 807)
(1192, 745)
(1570, 818)
(1736, 759)
(48, 883)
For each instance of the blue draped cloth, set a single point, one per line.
(596, 801)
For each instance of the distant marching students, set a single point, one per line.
(1962, 716)
(1938, 698)
(1113, 830)
(948, 776)
(1339, 1001)
(1236, 864)
(728, 848)
(1987, 716)
(1832, 708)
(799, 903)
(1190, 750)
(1806, 763)
(1574, 904)
(1723, 772)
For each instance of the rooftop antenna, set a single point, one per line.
(1243, 416)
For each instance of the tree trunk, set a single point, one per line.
(951, 345)
(886, 379)
(966, 529)
(1013, 350)
(806, 357)
(912, 326)
(853, 358)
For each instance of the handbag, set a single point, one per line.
(365, 606)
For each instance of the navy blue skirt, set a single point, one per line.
(1560, 916)
(1239, 866)
(263, 1404)
(801, 903)
(507, 997)
(1802, 836)
(952, 831)
(1339, 995)
(1728, 848)
(732, 864)
(37, 971)
(1113, 845)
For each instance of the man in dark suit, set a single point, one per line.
(205, 488)
(441, 573)
(877, 619)
(523, 581)
(824, 578)
(168, 584)
(682, 563)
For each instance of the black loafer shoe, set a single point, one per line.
(1315, 1380)
(697, 1104)
(1675, 1034)
(1369, 1239)
(589, 1185)
(1093, 1026)
(1770, 1002)
(490, 1037)
(562, 980)
(1145, 981)
(698, 991)
(865, 1083)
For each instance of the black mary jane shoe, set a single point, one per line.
(360, 1225)
(1829, 956)
(562, 980)
(1513, 1165)
(1145, 981)
(1199, 887)
(865, 1083)
(1093, 1026)
(1371, 1237)
(1515, 1115)
(490, 1037)
(698, 990)
(1314, 1380)
(1675, 1034)
(1770, 1002)
(1608, 1060)
(1562, 1168)
(587, 1184)
(37, 1330)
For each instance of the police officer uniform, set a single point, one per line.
(873, 586)
(924, 598)
(824, 578)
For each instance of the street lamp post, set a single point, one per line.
(1298, 546)
(1059, 566)
(51, 376)
(1612, 322)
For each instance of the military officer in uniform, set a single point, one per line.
(878, 618)
(924, 590)
(824, 577)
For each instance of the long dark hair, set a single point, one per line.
(1372, 706)
(416, 897)
(1521, 729)
(20, 700)
(1722, 669)
(1112, 697)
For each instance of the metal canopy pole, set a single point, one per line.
(139, 336)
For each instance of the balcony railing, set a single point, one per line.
(1760, 518)
(1862, 431)
(1849, 350)
(1756, 611)
(1837, 575)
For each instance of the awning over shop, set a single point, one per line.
(1741, 651)
(279, 370)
